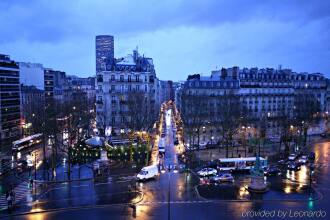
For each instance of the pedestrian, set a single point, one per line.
(9, 201)
(12, 195)
(31, 183)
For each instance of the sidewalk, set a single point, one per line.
(61, 173)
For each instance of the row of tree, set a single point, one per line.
(227, 114)
(71, 116)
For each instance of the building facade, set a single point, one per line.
(9, 102)
(133, 78)
(266, 95)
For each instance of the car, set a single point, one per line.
(191, 147)
(303, 159)
(224, 177)
(162, 168)
(272, 171)
(293, 166)
(282, 162)
(323, 134)
(175, 168)
(292, 157)
(207, 172)
(202, 145)
(161, 150)
(311, 156)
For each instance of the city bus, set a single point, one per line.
(239, 164)
(27, 142)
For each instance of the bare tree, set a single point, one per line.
(230, 113)
(195, 113)
(138, 111)
(306, 113)
(285, 121)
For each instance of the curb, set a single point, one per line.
(74, 208)
(52, 182)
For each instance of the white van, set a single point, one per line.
(148, 172)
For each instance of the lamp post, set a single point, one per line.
(311, 170)
(35, 166)
(169, 194)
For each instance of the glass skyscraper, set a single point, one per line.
(104, 52)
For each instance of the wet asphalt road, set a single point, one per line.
(185, 204)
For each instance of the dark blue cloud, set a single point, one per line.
(242, 32)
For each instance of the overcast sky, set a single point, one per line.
(182, 36)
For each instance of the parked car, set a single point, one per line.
(202, 145)
(292, 157)
(311, 156)
(272, 171)
(303, 159)
(225, 177)
(282, 162)
(207, 172)
(191, 147)
(323, 135)
(293, 166)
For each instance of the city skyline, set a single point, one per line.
(177, 33)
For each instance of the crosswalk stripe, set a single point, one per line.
(20, 193)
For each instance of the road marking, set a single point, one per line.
(174, 202)
(21, 191)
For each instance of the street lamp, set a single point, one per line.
(169, 193)
(311, 171)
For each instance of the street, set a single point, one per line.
(171, 196)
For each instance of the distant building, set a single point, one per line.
(33, 96)
(55, 85)
(86, 86)
(49, 84)
(104, 46)
(166, 90)
(9, 102)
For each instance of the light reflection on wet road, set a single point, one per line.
(186, 205)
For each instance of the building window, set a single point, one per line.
(129, 78)
(137, 87)
(113, 88)
(137, 77)
(113, 120)
(121, 78)
(113, 78)
(129, 87)
(145, 88)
